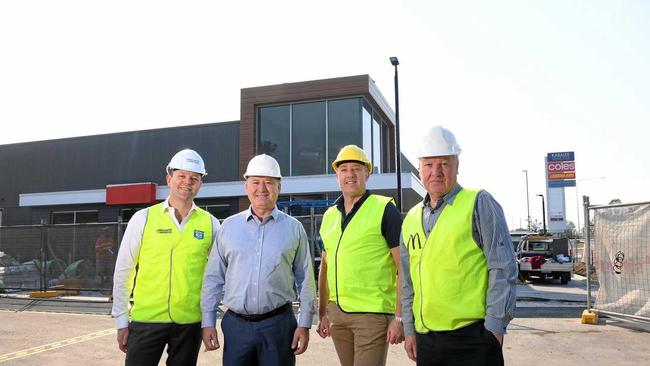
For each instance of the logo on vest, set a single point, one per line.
(164, 231)
(198, 234)
(411, 241)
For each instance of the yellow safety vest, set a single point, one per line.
(360, 269)
(170, 268)
(448, 269)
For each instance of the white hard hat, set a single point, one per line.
(438, 141)
(263, 166)
(188, 160)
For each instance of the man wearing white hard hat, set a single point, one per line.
(260, 258)
(160, 263)
(459, 281)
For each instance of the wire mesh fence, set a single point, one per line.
(81, 257)
(67, 257)
(619, 240)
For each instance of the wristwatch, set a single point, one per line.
(398, 318)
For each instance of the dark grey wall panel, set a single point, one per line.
(92, 162)
(16, 216)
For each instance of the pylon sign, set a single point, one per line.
(560, 169)
(560, 173)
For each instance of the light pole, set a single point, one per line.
(543, 214)
(527, 199)
(398, 153)
(578, 231)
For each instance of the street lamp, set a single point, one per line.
(543, 214)
(398, 153)
(527, 199)
(578, 202)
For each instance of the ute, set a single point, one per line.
(544, 257)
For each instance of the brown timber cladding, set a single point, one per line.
(251, 98)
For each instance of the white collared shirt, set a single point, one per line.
(129, 250)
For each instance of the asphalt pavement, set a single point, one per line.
(546, 331)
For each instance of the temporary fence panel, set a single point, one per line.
(20, 258)
(621, 250)
(312, 223)
(74, 256)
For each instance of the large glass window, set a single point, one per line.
(344, 126)
(308, 138)
(385, 148)
(274, 132)
(376, 144)
(366, 122)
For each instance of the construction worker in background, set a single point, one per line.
(260, 259)
(104, 257)
(458, 263)
(359, 304)
(166, 247)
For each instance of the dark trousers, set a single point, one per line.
(472, 345)
(265, 343)
(147, 341)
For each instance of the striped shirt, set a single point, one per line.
(255, 265)
(490, 232)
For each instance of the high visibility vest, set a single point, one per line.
(448, 269)
(360, 269)
(170, 268)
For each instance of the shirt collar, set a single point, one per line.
(448, 198)
(274, 214)
(166, 206)
(340, 202)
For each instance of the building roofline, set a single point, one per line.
(62, 139)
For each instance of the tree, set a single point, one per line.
(570, 231)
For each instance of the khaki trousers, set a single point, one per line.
(359, 338)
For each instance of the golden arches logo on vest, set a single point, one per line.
(412, 240)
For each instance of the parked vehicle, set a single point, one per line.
(544, 257)
(15, 275)
(516, 236)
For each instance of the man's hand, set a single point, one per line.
(499, 337)
(210, 339)
(122, 337)
(323, 327)
(300, 340)
(409, 346)
(395, 333)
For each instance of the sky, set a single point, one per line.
(513, 79)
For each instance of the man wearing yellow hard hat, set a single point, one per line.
(459, 279)
(166, 246)
(359, 304)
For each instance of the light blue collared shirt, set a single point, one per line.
(254, 266)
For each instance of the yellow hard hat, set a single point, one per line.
(352, 153)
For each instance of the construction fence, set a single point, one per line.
(618, 242)
(80, 256)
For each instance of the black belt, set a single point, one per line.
(260, 317)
